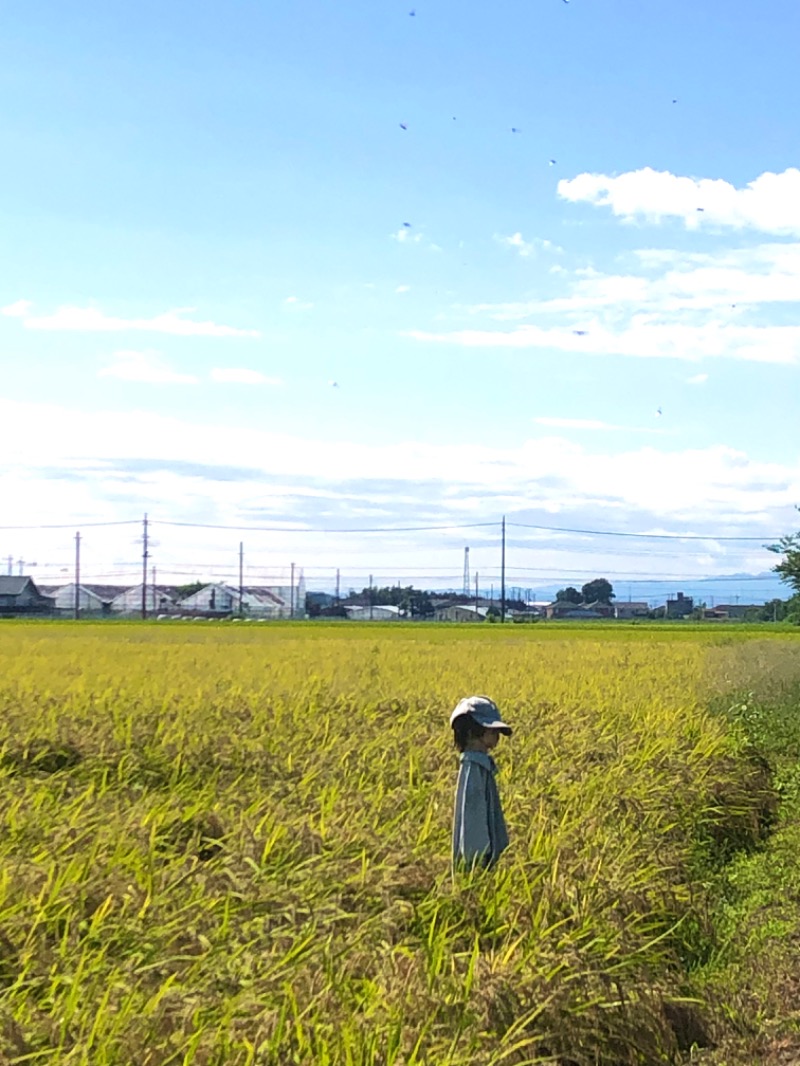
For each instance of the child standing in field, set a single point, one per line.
(479, 829)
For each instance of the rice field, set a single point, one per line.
(230, 844)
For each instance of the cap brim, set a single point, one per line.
(501, 727)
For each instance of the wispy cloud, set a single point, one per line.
(406, 235)
(527, 248)
(294, 303)
(770, 203)
(128, 459)
(146, 367)
(587, 424)
(640, 339)
(697, 379)
(241, 376)
(19, 309)
(667, 304)
(149, 368)
(92, 320)
(403, 288)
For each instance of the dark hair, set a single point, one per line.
(465, 727)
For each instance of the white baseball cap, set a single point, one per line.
(484, 711)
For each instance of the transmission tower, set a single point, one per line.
(466, 572)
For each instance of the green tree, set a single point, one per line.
(569, 595)
(598, 591)
(774, 611)
(789, 566)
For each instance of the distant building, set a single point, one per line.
(679, 607)
(631, 609)
(730, 612)
(563, 609)
(158, 599)
(20, 596)
(461, 612)
(736, 611)
(219, 600)
(383, 612)
(93, 600)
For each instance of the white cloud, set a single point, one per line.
(527, 248)
(241, 376)
(19, 309)
(405, 236)
(408, 236)
(403, 288)
(294, 303)
(101, 464)
(697, 379)
(91, 320)
(674, 305)
(516, 240)
(144, 367)
(641, 338)
(579, 423)
(770, 203)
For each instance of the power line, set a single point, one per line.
(289, 529)
(83, 525)
(650, 536)
(405, 529)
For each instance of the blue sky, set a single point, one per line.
(204, 213)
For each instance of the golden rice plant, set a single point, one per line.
(231, 844)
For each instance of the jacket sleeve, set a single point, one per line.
(474, 843)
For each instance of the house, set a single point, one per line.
(737, 611)
(93, 600)
(158, 599)
(631, 609)
(680, 607)
(563, 609)
(461, 612)
(537, 607)
(382, 612)
(20, 596)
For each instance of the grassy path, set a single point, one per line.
(753, 978)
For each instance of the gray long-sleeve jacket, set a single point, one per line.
(479, 829)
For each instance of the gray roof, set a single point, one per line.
(103, 592)
(13, 586)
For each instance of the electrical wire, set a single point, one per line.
(651, 536)
(290, 529)
(80, 525)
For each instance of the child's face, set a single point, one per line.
(490, 739)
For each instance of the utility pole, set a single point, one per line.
(337, 586)
(10, 565)
(77, 576)
(291, 594)
(370, 597)
(503, 574)
(154, 586)
(241, 578)
(465, 587)
(145, 556)
(477, 598)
